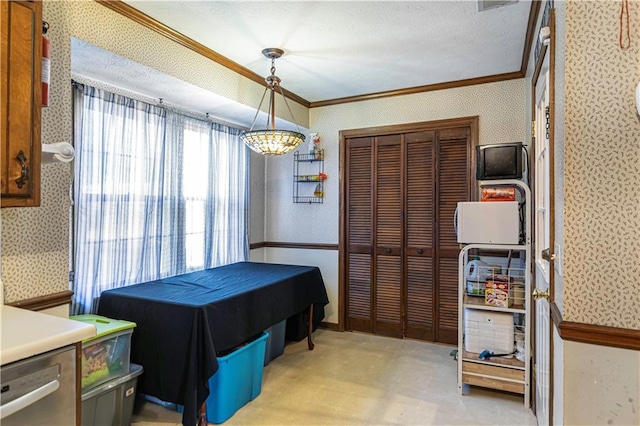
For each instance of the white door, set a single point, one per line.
(542, 241)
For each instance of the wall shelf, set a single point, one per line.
(308, 188)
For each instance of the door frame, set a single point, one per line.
(534, 80)
(472, 122)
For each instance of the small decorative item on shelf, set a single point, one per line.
(314, 151)
(318, 191)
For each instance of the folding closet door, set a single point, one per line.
(419, 241)
(388, 231)
(401, 266)
(359, 235)
(452, 165)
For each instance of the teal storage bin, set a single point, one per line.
(275, 341)
(237, 381)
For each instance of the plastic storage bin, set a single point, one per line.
(105, 356)
(275, 342)
(111, 404)
(485, 330)
(237, 381)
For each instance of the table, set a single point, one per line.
(183, 321)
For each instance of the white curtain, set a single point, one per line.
(156, 194)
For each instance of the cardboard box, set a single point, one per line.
(496, 293)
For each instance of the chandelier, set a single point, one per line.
(272, 141)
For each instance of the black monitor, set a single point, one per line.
(499, 161)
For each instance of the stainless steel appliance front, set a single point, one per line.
(40, 390)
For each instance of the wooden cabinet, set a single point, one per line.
(20, 102)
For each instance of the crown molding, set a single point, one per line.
(143, 19)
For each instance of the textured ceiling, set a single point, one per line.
(96, 64)
(336, 49)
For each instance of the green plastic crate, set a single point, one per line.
(105, 356)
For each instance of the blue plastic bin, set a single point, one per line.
(275, 341)
(237, 381)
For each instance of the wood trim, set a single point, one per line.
(78, 346)
(531, 28)
(254, 246)
(420, 89)
(145, 20)
(552, 198)
(593, 334)
(556, 315)
(471, 121)
(44, 302)
(538, 68)
(329, 326)
(308, 246)
(342, 232)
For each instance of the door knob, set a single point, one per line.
(387, 250)
(537, 294)
(547, 256)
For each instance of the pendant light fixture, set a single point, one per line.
(272, 141)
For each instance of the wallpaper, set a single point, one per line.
(500, 106)
(35, 241)
(602, 167)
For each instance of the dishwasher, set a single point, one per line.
(40, 390)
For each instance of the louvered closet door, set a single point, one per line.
(453, 186)
(401, 263)
(388, 229)
(359, 221)
(419, 226)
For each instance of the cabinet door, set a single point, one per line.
(20, 98)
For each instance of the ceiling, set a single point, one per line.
(338, 49)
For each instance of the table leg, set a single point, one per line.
(202, 421)
(309, 341)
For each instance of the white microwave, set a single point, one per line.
(489, 222)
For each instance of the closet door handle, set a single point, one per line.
(420, 251)
(387, 250)
(24, 173)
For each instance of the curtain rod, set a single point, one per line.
(78, 80)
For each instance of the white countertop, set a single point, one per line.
(26, 333)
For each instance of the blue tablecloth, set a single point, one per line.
(183, 321)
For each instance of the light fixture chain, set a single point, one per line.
(289, 108)
(255, 117)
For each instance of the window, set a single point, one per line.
(156, 194)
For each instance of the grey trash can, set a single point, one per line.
(275, 341)
(111, 404)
